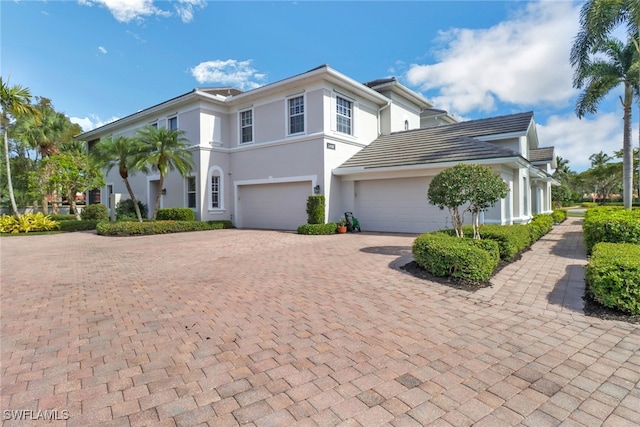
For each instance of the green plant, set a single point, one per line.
(176, 214)
(448, 256)
(98, 212)
(613, 276)
(317, 229)
(540, 225)
(125, 210)
(611, 224)
(224, 222)
(63, 217)
(511, 239)
(559, 216)
(83, 224)
(26, 223)
(315, 209)
(133, 228)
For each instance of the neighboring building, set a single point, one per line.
(370, 148)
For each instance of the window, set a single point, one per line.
(172, 124)
(343, 115)
(191, 192)
(215, 192)
(406, 125)
(246, 126)
(154, 125)
(296, 115)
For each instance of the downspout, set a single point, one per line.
(380, 111)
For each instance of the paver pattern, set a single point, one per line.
(266, 328)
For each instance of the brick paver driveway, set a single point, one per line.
(267, 328)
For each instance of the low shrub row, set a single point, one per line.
(175, 214)
(153, 227)
(613, 276)
(539, 226)
(317, 229)
(511, 239)
(444, 255)
(97, 212)
(224, 222)
(611, 224)
(82, 225)
(63, 217)
(27, 223)
(559, 216)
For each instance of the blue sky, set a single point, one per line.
(99, 60)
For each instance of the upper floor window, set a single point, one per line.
(191, 192)
(246, 126)
(154, 125)
(343, 115)
(296, 115)
(172, 123)
(406, 125)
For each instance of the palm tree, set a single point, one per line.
(163, 150)
(120, 152)
(598, 18)
(562, 171)
(598, 77)
(15, 102)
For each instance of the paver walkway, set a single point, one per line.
(265, 328)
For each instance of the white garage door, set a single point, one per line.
(397, 205)
(273, 206)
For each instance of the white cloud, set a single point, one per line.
(231, 72)
(102, 50)
(523, 61)
(92, 122)
(575, 139)
(184, 8)
(128, 10)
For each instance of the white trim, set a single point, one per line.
(498, 136)
(210, 172)
(269, 180)
(288, 98)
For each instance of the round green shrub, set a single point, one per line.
(317, 229)
(126, 211)
(175, 214)
(447, 256)
(613, 276)
(98, 212)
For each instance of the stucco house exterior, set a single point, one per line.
(370, 148)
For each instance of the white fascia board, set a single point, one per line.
(516, 161)
(498, 136)
(400, 89)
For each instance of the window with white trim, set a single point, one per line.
(215, 191)
(172, 123)
(191, 192)
(296, 115)
(344, 111)
(246, 126)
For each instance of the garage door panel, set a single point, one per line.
(397, 205)
(273, 206)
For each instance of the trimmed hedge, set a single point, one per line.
(540, 225)
(63, 217)
(152, 227)
(224, 222)
(511, 239)
(175, 214)
(610, 224)
(559, 216)
(447, 256)
(97, 211)
(315, 209)
(82, 225)
(613, 276)
(317, 229)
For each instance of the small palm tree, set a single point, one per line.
(163, 150)
(15, 102)
(123, 153)
(598, 77)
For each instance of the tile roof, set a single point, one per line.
(448, 143)
(541, 155)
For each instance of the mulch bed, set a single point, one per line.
(592, 308)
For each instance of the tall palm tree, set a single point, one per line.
(562, 171)
(163, 150)
(15, 102)
(122, 153)
(599, 76)
(598, 18)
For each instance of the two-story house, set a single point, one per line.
(370, 148)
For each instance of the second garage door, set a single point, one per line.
(273, 206)
(397, 205)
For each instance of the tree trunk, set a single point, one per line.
(12, 196)
(627, 148)
(476, 225)
(157, 206)
(72, 204)
(133, 199)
